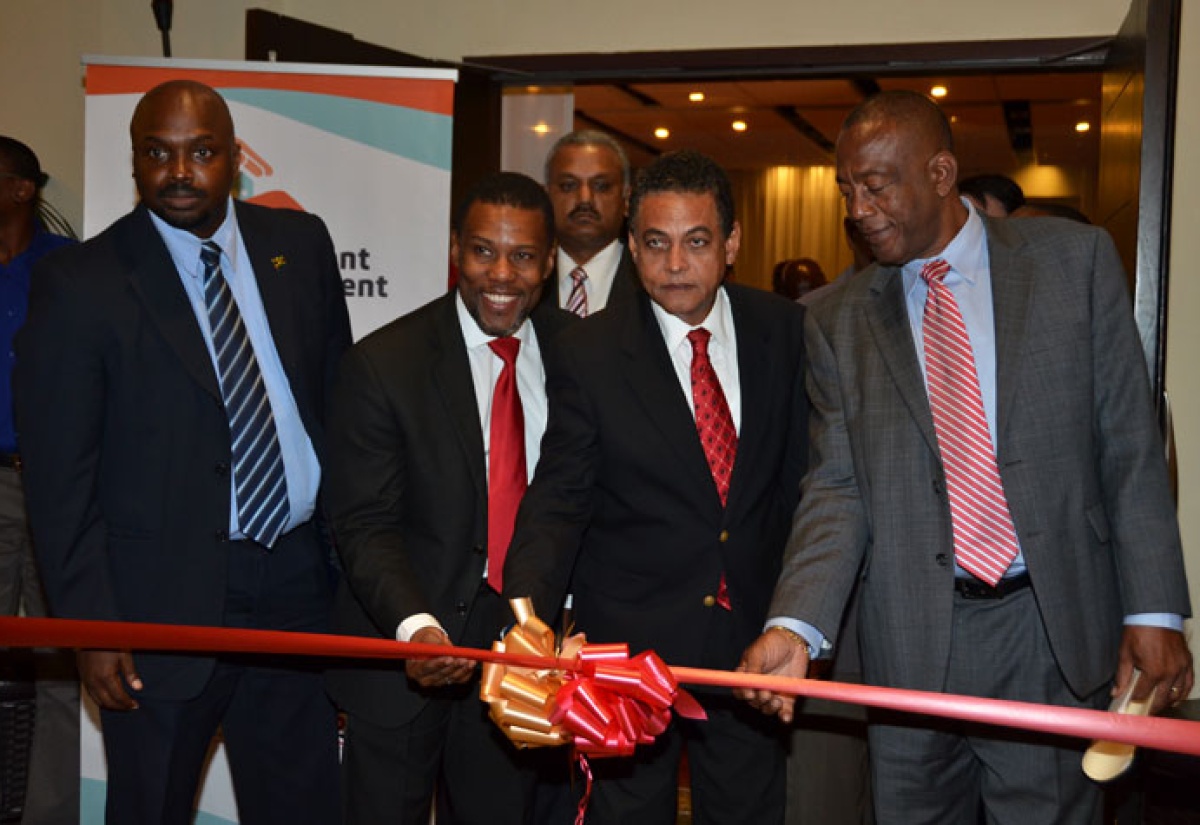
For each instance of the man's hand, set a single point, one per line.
(777, 653)
(439, 672)
(1162, 655)
(105, 674)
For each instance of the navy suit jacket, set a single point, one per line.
(124, 433)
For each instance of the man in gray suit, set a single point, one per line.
(1089, 582)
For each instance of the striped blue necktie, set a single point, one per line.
(258, 474)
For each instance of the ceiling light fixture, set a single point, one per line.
(696, 97)
(738, 126)
(1083, 126)
(938, 91)
(662, 133)
(540, 128)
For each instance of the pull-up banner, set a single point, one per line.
(365, 148)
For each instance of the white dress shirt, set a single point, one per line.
(601, 272)
(722, 352)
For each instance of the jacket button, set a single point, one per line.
(942, 559)
(221, 468)
(461, 607)
(938, 487)
(478, 550)
(709, 601)
(723, 537)
(222, 535)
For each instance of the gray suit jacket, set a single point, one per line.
(1078, 448)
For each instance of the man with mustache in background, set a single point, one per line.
(587, 176)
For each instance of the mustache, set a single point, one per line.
(584, 209)
(180, 189)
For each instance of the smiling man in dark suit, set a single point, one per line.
(669, 471)
(171, 383)
(421, 514)
(989, 470)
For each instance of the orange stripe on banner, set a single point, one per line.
(1154, 732)
(436, 96)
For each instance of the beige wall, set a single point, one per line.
(41, 98)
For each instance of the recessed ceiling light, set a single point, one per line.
(662, 133)
(1082, 126)
(738, 126)
(938, 91)
(696, 97)
(541, 128)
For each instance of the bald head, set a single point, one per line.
(185, 156)
(897, 173)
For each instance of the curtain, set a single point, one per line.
(788, 212)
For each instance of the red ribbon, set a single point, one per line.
(1151, 732)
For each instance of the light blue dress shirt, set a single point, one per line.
(300, 464)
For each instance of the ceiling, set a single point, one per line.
(1001, 122)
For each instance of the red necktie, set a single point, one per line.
(985, 541)
(506, 460)
(714, 424)
(577, 301)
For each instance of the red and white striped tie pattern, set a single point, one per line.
(985, 541)
(577, 300)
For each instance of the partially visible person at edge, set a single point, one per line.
(52, 785)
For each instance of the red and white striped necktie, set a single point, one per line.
(985, 541)
(577, 301)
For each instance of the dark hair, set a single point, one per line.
(508, 189)
(21, 161)
(590, 137)
(1001, 187)
(685, 171)
(904, 107)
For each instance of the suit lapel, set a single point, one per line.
(652, 378)
(263, 248)
(155, 279)
(887, 318)
(1013, 275)
(450, 372)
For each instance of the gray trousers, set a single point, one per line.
(52, 793)
(927, 771)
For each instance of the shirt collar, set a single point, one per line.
(185, 247)
(476, 337)
(719, 323)
(966, 253)
(602, 262)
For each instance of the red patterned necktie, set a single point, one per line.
(985, 541)
(713, 421)
(577, 301)
(714, 424)
(506, 460)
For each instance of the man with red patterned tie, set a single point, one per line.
(435, 431)
(990, 475)
(669, 471)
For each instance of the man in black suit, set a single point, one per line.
(587, 176)
(674, 543)
(413, 490)
(130, 430)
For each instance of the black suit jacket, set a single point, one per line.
(124, 434)
(623, 494)
(408, 491)
(625, 285)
